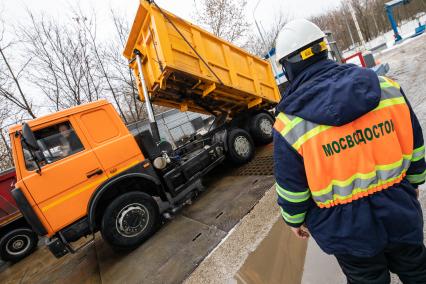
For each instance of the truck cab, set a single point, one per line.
(80, 170)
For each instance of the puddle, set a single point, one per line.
(279, 258)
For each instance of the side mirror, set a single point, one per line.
(29, 137)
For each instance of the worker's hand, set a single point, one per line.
(301, 232)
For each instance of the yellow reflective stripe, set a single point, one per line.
(343, 183)
(359, 190)
(418, 158)
(417, 178)
(86, 187)
(308, 135)
(283, 118)
(392, 82)
(388, 83)
(418, 154)
(291, 125)
(294, 219)
(291, 196)
(390, 102)
(385, 85)
(420, 149)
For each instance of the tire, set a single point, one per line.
(136, 207)
(260, 127)
(240, 146)
(18, 244)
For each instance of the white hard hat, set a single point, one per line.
(295, 35)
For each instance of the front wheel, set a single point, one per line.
(17, 244)
(129, 220)
(240, 146)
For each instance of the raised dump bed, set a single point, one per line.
(188, 68)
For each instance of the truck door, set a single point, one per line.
(68, 176)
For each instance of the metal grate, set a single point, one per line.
(260, 166)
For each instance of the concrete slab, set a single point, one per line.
(42, 267)
(230, 199)
(168, 257)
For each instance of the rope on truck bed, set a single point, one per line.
(187, 42)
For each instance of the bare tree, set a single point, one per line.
(98, 52)
(62, 65)
(6, 112)
(224, 18)
(260, 45)
(120, 73)
(10, 86)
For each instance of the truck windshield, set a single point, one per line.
(56, 142)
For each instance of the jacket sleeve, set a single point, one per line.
(291, 183)
(416, 173)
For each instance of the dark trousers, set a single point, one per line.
(407, 261)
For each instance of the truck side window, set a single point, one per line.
(56, 142)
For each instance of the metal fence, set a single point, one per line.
(174, 126)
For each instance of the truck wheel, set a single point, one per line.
(240, 146)
(260, 127)
(129, 220)
(17, 244)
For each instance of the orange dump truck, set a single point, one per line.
(80, 170)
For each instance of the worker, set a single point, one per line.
(70, 143)
(348, 158)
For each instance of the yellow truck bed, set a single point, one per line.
(177, 77)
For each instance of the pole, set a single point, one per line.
(350, 32)
(274, 69)
(148, 105)
(257, 25)
(333, 46)
(358, 29)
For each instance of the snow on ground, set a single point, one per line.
(408, 67)
(406, 30)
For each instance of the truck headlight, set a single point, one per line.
(160, 163)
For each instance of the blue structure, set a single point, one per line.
(389, 11)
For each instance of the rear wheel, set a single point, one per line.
(260, 127)
(129, 220)
(240, 146)
(17, 244)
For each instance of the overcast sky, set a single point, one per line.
(14, 9)
(14, 12)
